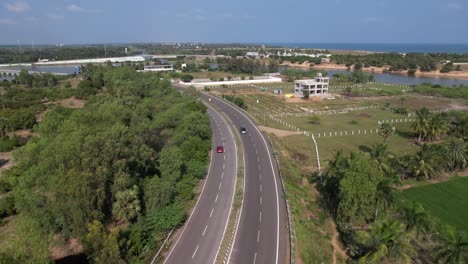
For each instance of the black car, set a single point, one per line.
(243, 130)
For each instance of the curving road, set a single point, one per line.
(261, 236)
(204, 230)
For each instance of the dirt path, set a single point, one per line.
(279, 132)
(434, 181)
(335, 241)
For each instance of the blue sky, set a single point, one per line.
(254, 21)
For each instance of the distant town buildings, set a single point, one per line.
(315, 87)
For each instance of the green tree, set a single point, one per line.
(454, 248)
(415, 218)
(102, 246)
(385, 131)
(384, 196)
(315, 119)
(421, 124)
(306, 94)
(438, 125)
(127, 204)
(388, 242)
(380, 153)
(358, 189)
(455, 151)
(25, 79)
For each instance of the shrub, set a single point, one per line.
(8, 144)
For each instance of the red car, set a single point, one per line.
(219, 149)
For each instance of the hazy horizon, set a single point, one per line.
(209, 21)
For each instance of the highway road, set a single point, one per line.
(203, 232)
(262, 235)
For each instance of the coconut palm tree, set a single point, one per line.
(385, 195)
(381, 154)
(438, 125)
(427, 163)
(455, 151)
(416, 218)
(388, 242)
(454, 248)
(421, 125)
(385, 131)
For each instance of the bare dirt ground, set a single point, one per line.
(26, 133)
(279, 132)
(69, 248)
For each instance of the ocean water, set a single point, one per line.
(382, 47)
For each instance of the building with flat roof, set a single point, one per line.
(316, 86)
(158, 68)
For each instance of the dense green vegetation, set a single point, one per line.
(359, 191)
(116, 175)
(236, 100)
(397, 62)
(437, 90)
(13, 55)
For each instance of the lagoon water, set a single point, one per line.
(410, 80)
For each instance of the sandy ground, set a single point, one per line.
(333, 66)
(278, 132)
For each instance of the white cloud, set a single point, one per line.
(6, 21)
(17, 7)
(75, 8)
(456, 6)
(55, 16)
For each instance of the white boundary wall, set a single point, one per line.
(265, 80)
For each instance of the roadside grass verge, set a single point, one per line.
(446, 200)
(312, 230)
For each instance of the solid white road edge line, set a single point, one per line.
(274, 174)
(195, 208)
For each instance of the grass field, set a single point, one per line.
(447, 201)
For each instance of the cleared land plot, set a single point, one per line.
(350, 121)
(447, 201)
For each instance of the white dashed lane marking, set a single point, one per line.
(195, 252)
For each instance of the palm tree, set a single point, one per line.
(454, 248)
(380, 153)
(455, 153)
(337, 164)
(388, 242)
(421, 125)
(416, 218)
(427, 162)
(384, 195)
(438, 125)
(385, 131)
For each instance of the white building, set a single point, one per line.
(158, 68)
(317, 86)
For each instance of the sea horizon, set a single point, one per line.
(459, 48)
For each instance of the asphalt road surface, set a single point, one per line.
(204, 230)
(262, 235)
